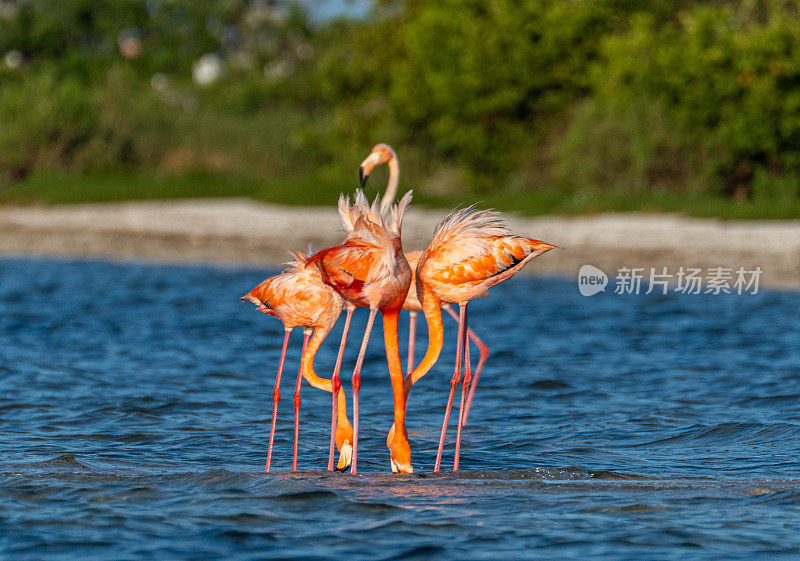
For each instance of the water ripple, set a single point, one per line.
(612, 428)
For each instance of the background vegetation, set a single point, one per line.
(532, 105)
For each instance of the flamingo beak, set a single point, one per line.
(366, 167)
(345, 456)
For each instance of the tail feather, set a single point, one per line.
(347, 213)
(389, 218)
(471, 222)
(398, 212)
(252, 299)
(258, 296)
(298, 263)
(515, 251)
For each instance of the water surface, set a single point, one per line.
(134, 405)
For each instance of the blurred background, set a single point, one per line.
(539, 106)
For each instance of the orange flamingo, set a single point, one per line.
(385, 154)
(471, 251)
(413, 306)
(370, 270)
(298, 298)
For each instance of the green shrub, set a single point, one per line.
(722, 78)
(468, 79)
(568, 97)
(45, 121)
(634, 146)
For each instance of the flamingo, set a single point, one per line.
(370, 270)
(384, 154)
(298, 298)
(471, 251)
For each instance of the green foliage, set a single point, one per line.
(575, 104)
(469, 79)
(45, 120)
(634, 146)
(52, 122)
(70, 187)
(724, 81)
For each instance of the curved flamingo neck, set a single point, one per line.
(392, 185)
(431, 307)
(307, 370)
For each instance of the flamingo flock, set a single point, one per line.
(471, 251)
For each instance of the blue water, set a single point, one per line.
(134, 403)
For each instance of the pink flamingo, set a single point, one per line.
(385, 154)
(370, 270)
(471, 251)
(298, 298)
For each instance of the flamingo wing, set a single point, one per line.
(345, 267)
(475, 260)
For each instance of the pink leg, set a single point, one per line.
(336, 382)
(306, 337)
(276, 398)
(356, 383)
(483, 351)
(412, 338)
(453, 385)
(464, 390)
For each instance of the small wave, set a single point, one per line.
(13, 406)
(62, 461)
(241, 535)
(549, 385)
(637, 508)
(771, 400)
(220, 478)
(302, 496)
(225, 375)
(770, 495)
(365, 507)
(420, 552)
(243, 518)
(131, 438)
(748, 433)
(554, 473)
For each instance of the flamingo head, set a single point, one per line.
(381, 154)
(344, 439)
(399, 452)
(345, 456)
(397, 467)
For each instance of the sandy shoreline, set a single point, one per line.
(239, 231)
